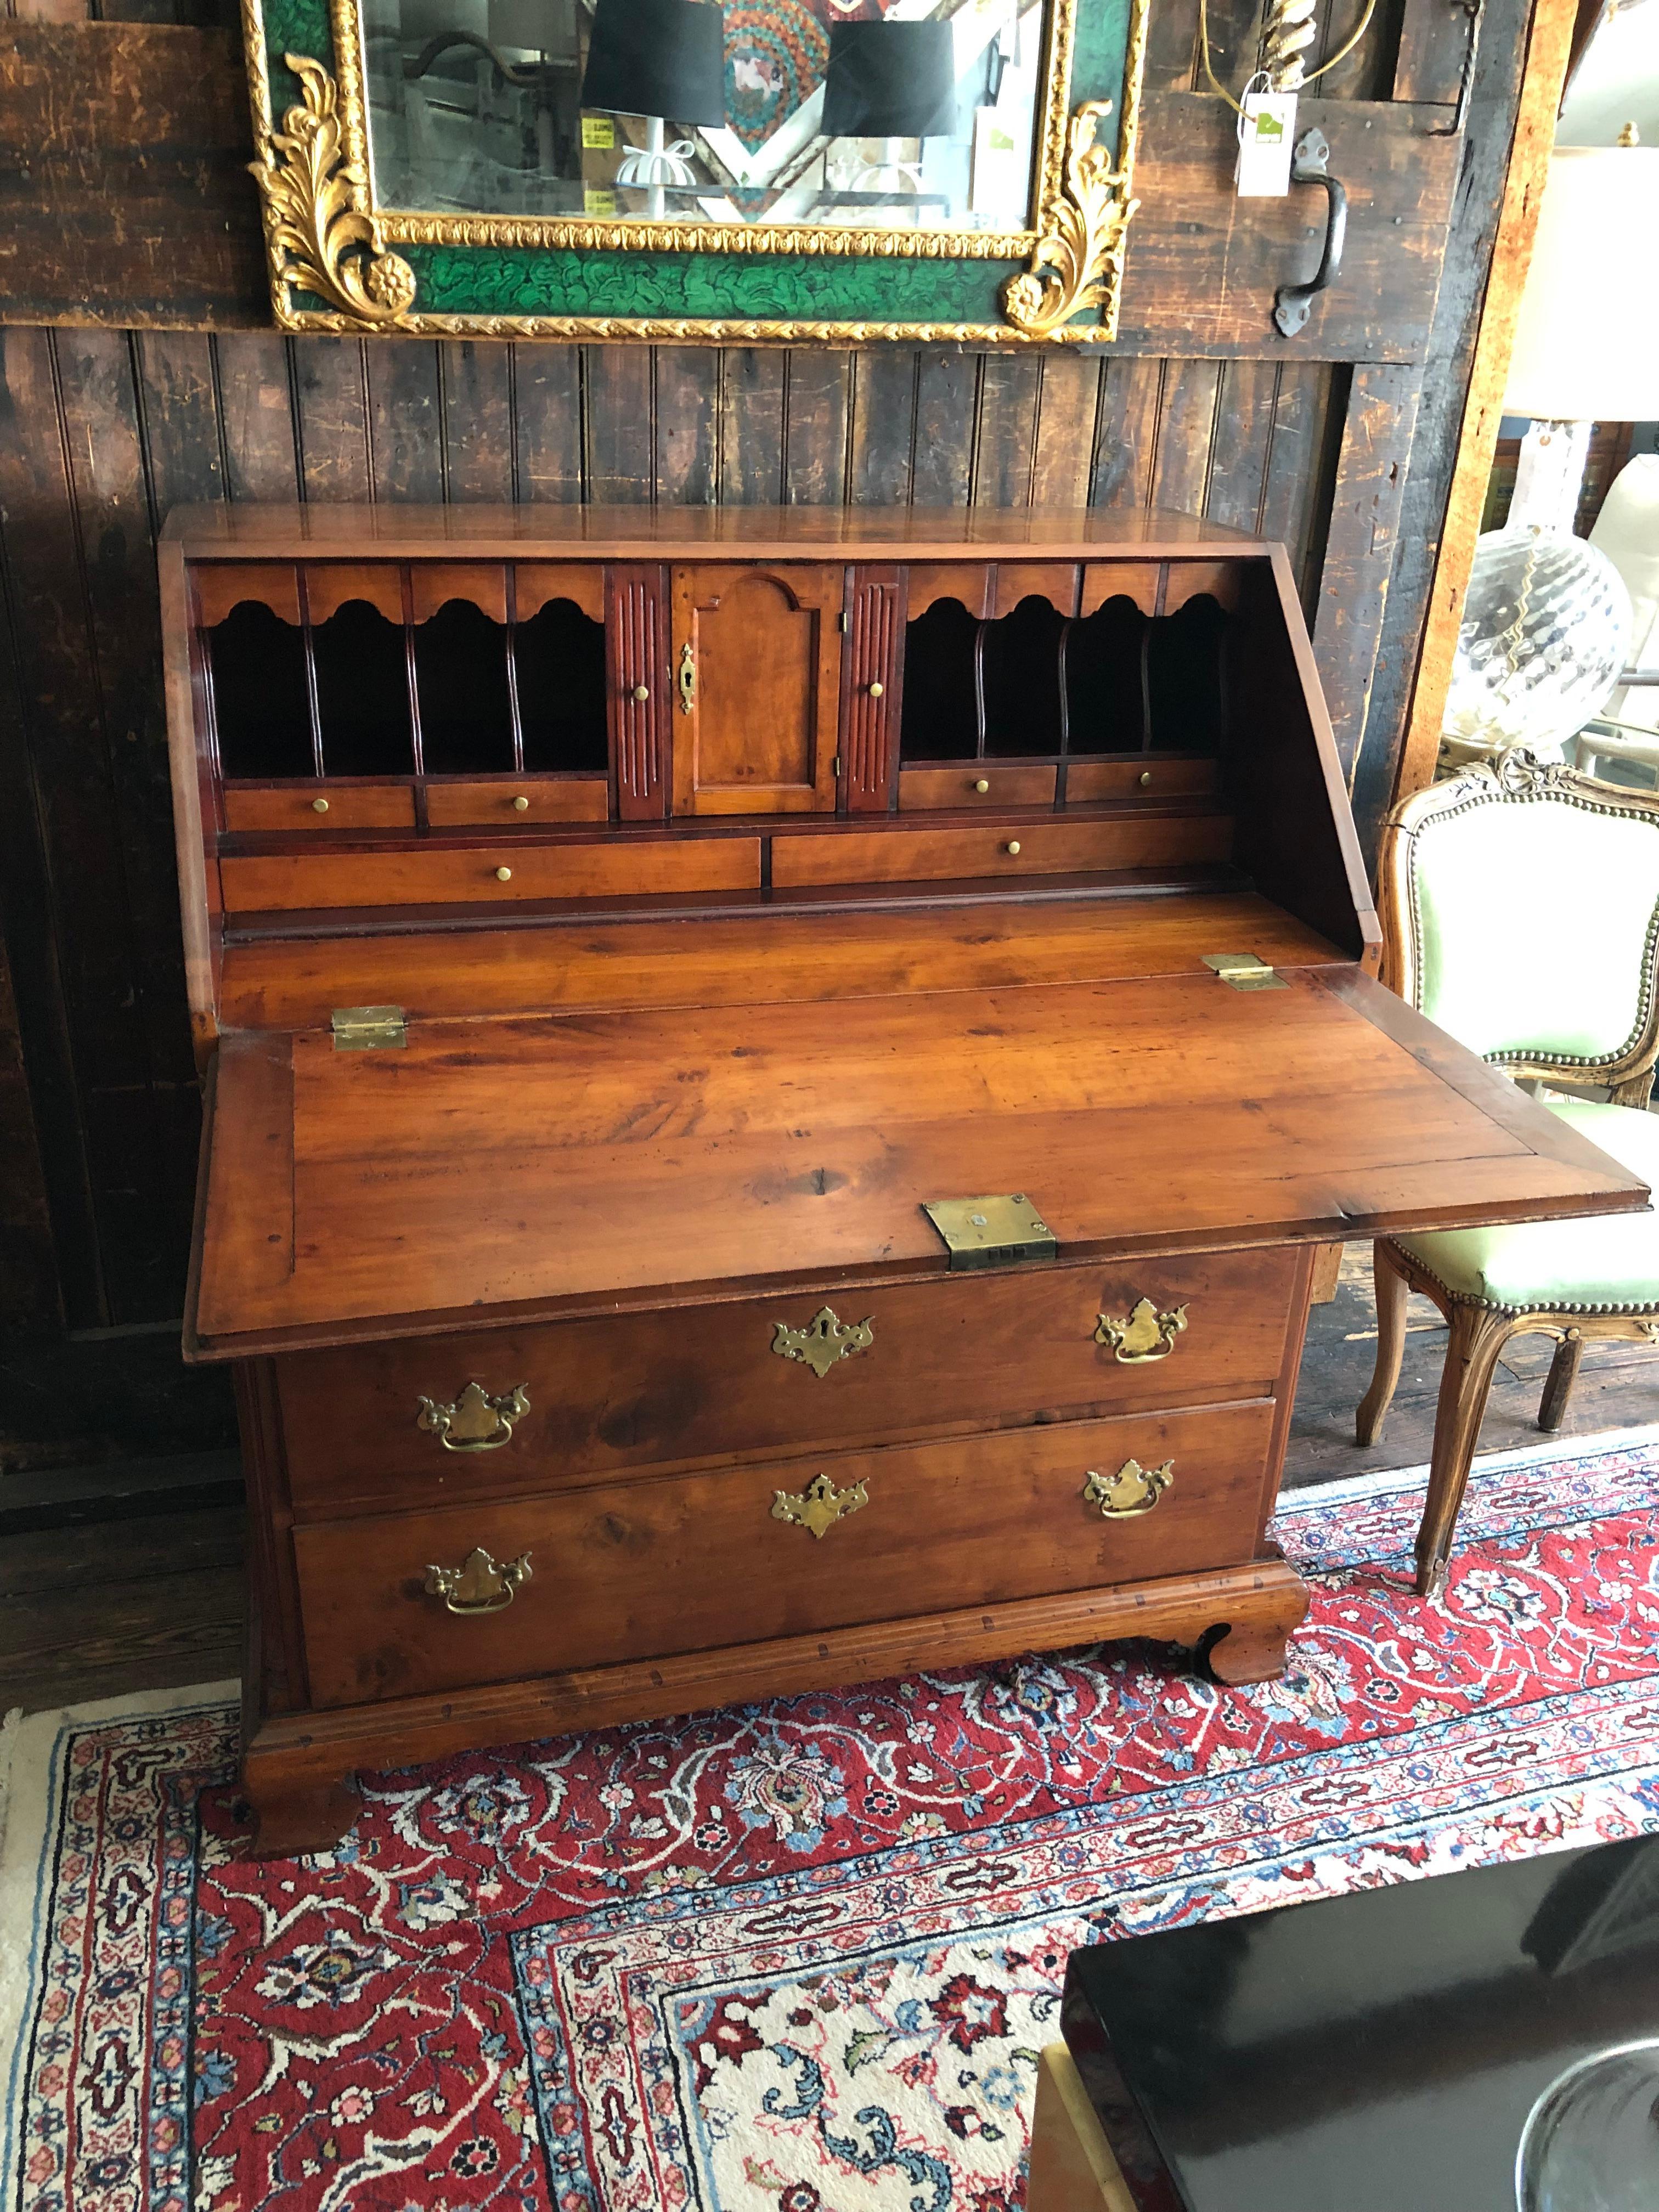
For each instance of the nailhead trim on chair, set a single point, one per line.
(1491, 1305)
(1519, 777)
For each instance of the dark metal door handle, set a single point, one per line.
(1293, 303)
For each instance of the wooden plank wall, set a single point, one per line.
(103, 430)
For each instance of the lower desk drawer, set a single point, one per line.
(700, 1383)
(690, 1562)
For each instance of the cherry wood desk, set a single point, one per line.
(610, 935)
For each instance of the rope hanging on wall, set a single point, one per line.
(1288, 29)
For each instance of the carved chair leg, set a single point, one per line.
(1477, 1336)
(1392, 1292)
(1558, 1388)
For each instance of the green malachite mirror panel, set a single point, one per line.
(938, 169)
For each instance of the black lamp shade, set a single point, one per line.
(663, 57)
(889, 81)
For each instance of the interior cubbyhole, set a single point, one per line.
(461, 681)
(1019, 682)
(560, 657)
(362, 692)
(1105, 680)
(261, 712)
(940, 716)
(1187, 703)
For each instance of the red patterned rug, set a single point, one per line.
(786, 1958)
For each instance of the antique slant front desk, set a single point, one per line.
(773, 1081)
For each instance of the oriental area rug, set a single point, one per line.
(797, 1957)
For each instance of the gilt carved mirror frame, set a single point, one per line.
(341, 262)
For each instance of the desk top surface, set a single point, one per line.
(602, 1154)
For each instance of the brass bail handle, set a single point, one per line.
(1142, 1334)
(475, 1421)
(481, 1584)
(1133, 1490)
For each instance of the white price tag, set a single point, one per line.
(1267, 132)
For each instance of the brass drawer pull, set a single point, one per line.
(1144, 1333)
(482, 1585)
(820, 1506)
(476, 1421)
(823, 1341)
(1133, 1490)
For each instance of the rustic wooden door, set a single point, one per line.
(757, 657)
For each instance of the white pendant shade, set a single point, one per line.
(1587, 341)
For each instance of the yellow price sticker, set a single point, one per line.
(599, 134)
(595, 202)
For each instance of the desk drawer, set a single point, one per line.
(519, 801)
(320, 806)
(975, 784)
(700, 1383)
(504, 871)
(1029, 848)
(689, 1562)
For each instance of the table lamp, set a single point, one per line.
(1587, 336)
(658, 58)
(889, 81)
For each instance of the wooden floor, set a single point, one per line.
(143, 1589)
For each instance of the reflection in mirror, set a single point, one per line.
(918, 115)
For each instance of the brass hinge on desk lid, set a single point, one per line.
(368, 1028)
(991, 1232)
(1245, 971)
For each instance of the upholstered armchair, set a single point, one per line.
(1521, 912)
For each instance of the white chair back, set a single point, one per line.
(1525, 915)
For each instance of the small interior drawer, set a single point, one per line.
(1153, 775)
(524, 799)
(639, 1569)
(1032, 848)
(483, 873)
(319, 807)
(975, 784)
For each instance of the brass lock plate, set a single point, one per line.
(991, 1232)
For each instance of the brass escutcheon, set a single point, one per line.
(482, 1585)
(476, 1421)
(688, 677)
(1143, 1333)
(820, 1506)
(823, 1341)
(1133, 1489)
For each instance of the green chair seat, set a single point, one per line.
(1609, 1263)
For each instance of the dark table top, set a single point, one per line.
(1377, 2052)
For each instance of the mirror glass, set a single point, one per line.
(917, 116)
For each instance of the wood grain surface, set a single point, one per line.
(684, 1148)
(693, 1384)
(295, 983)
(641, 1569)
